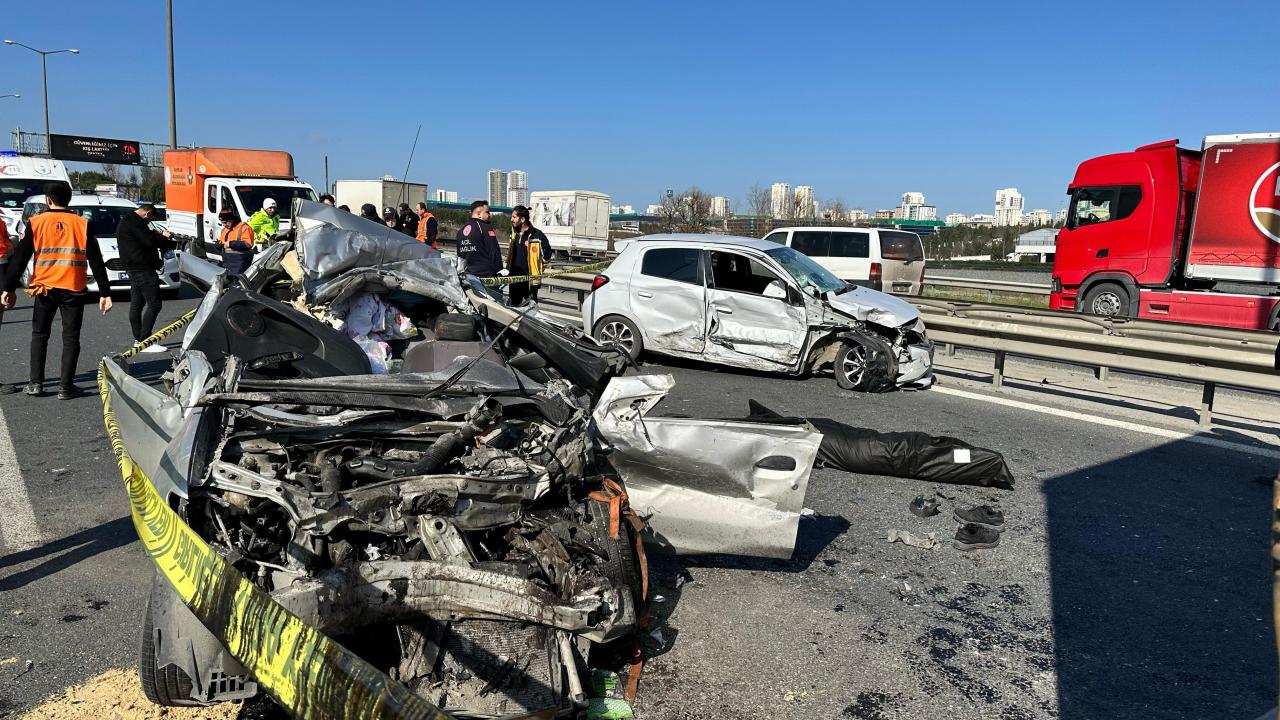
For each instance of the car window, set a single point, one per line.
(814, 243)
(679, 264)
(739, 273)
(779, 237)
(850, 244)
(897, 245)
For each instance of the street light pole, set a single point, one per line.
(44, 75)
(173, 107)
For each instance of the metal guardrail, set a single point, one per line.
(1210, 356)
(988, 286)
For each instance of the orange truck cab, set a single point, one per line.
(1170, 233)
(200, 182)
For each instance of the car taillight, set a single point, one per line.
(599, 281)
(875, 273)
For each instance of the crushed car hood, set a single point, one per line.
(874, 306)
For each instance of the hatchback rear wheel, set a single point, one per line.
(617, 330)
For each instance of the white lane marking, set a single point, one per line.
(18, 528)
(1110, 422)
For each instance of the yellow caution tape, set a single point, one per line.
(500, 280)
(304, 671)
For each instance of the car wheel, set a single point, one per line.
(866, 363)
(1106, 300)
(168, 685)
(617, 330)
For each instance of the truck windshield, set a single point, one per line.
(805, 271)
(252, 197)
(897, 245)
(15, 191)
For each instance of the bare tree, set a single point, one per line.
(669, 214)
(760, 206)
(113, 172)
(695, 208)
(836, 212)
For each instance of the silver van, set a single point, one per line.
(887, 260)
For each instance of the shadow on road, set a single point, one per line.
(1160, 586)
(81, 546)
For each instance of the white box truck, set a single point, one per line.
(575, 221)
(387, 192)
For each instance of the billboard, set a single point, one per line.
(90, 149)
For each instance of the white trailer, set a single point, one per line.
(379, 193)
(575, 221)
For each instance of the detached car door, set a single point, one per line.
(668, 299)
(744, 327)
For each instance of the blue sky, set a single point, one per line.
(862, 101)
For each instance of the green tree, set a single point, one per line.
(87, 180)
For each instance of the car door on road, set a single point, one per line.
(668, 299)
(745, 327)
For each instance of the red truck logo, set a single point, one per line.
(1264, 203)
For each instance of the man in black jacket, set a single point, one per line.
(140, 249)
(478, 246)
(527, 255)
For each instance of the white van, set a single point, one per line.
(21, 177)
(888, 260)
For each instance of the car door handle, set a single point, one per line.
(722, 309)
(644, 294)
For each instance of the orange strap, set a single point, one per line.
(619, 508)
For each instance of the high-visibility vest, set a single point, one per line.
(241, 232)
(61, 240)
(422, 228)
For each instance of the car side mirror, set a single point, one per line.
(775, 290)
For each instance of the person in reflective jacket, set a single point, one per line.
(62, 251)
(236, 240)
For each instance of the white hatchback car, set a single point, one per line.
(751, 303)
(103, 214)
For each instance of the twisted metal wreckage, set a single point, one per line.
(466, 524)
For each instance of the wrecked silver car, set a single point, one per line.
(454, 490)
(754, 304)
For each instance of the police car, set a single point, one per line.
(103, 214)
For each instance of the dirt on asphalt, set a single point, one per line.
(116, 695)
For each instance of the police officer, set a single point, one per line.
(527, 255)
(408, 221)
(478, 247)
(65, 252)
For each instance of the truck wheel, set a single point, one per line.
(1106, 300)
(168, 685)
(866, 363)
(617, 330)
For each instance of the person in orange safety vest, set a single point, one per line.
(236, 240)
(428, 228)
(64, 251)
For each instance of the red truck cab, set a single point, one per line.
(1149, 235)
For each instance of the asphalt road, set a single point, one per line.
(1133, 579)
